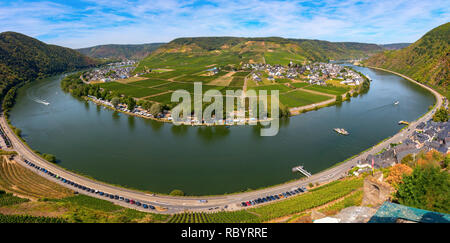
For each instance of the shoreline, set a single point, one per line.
(188, 202)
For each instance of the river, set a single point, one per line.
(159, 157)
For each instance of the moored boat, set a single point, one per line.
(341, 131)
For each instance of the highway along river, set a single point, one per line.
(148, 155)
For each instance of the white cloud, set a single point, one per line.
(140, 21)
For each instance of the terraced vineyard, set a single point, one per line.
(7, 199)
(228, 217)
(17, 179)
(318, 197)
(29, 219)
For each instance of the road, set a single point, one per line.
(180, 204)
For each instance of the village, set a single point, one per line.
(426, 136)
(166, 116)
(315, 73)
(111, 72)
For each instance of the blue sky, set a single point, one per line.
(86, 23)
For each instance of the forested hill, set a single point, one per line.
(427, 60)
(120, 51)
(396, 46)
(314, 50)
(23, 58)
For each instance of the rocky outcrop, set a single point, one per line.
(376, 191)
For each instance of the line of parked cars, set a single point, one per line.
(5, 138)
(93, 191)
(270, 198)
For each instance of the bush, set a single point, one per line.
(49, 157)
(177, 193)
(441, 115)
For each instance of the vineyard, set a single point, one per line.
(7, 199)
(29, 219)
(21, 181)
(221, 217)
(318, 197)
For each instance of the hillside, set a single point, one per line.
(23, 58)
(427, 60)
(120, 51)
(279, 49)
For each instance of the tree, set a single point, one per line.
(347, 96)
(131, 103)
(338, 99)
(427, 188)
(177, 193)
(155, 109)
(397, 172)
(441, 115)
(115, 101)
(49, 157)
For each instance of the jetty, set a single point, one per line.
(301, 170)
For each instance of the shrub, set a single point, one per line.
(49, 157)
(177, 192)
(441, 115)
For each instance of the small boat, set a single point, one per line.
(396, 102)
(341, 131)
(403, 123)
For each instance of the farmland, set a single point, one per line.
(301, 98)
(14, 178)
(348, 190)
(158, 90)
(220, 68)
(333, 90)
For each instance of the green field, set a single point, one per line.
(301, 98)
(282, 57)
(300, 85)
(281, 88)
(283, 80)
(149, 82)
(130, 90)
(237, 81)
(328, 89)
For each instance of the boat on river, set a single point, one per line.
(396, 102)
(341, 131)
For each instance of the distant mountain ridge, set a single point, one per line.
(114, 51)
(395, 46)
(427, 60)
(315, 50)
(23, 58)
